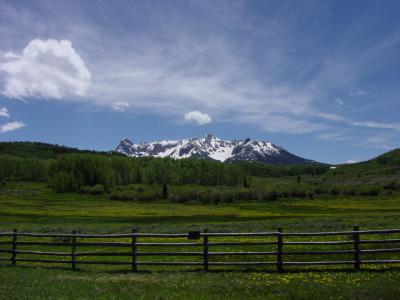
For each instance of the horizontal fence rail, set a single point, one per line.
(206, 248)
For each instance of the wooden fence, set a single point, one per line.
(278, 240)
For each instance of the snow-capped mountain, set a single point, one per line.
(211, 147)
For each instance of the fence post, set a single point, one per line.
(133, 249)
(205, 249)
(73, 250)
(356, 238)
(279, 261)
(14, 248)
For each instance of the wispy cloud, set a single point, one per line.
(339, 100)
(357, 93)
(11, 126)
(367, 124)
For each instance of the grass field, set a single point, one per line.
(34, 207)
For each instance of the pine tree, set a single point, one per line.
(165, 192)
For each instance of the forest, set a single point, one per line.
(68, 170)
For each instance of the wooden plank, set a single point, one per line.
(244, 253)
(104, 244)
(307, 263)
(243, 263)
(199, 253)
(279, 258)
(241, 243)
(318, 252)
(222, 234)
(380, 250)
(384, 231)
(73, 250)
(133, 250)
(43, 243)
(42, 253)
(66, 235)
(170, 263)
(103, 254)
(163, 235)
(356, 237)
(320, 243)
(43, 261)
(14, 247)
(6, 233)
(168, 244)
(381, 261)
(387, 241)
(115, 263)
(205, 250)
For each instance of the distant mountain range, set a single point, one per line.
(211, 147)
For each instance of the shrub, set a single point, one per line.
(319, 191)
(370, 191)
(349, 192)
(334, 191)
(215, 197)
(273, 195)
(122, 196)
(393, 185)
(97, 189)
(227, 197)
(298, 193)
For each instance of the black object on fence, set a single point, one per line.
(71, 240)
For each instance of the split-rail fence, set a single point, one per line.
(204, 242)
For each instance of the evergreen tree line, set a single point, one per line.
(23, 169)
(69, 173)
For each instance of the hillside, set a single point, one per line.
(39, 150)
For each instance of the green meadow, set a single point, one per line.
(34, 207)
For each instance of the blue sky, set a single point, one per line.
(320, 78)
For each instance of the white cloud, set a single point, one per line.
(11, 126)
(352, 161)
(4, 112)
(198, 117)
(120, 106)
(45, 69)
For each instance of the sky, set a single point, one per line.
(319, 78)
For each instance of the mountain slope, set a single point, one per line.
(40, 150)
(211, 147)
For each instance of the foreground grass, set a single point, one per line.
(28, 283)
(34, 207)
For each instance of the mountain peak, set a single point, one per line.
(126, 141)
(211, 147)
